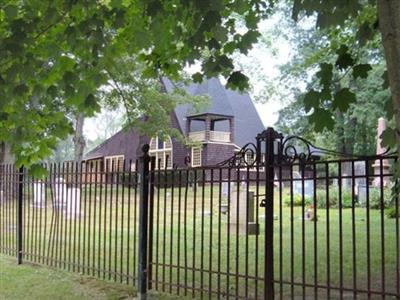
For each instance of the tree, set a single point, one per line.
(356, 24)
(55, 56)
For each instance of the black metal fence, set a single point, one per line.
(278, 220)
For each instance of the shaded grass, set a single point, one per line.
(37, 282)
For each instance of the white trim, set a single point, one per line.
(200, 153)
(111, 158)
(163, 152)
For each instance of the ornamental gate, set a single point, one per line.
(281, 219)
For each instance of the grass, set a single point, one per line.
(37, 282)
(190, 234)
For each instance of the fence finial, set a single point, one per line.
(145, 148)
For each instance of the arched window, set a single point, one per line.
(161, 149)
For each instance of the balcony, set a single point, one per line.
(215, 136)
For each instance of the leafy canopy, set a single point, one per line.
(55, 55)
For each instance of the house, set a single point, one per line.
(221, 129)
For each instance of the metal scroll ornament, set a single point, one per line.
(248, 156)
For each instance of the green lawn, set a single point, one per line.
(185, 242)
(37, 282)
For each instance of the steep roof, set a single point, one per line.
(120, 143)
(225, 102)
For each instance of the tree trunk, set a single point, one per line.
(5, 154)
(389, 23)
(79, 140)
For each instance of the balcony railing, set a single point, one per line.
(215, 136)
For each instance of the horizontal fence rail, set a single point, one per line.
(325, 228)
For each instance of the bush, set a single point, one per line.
(297, 200)
(334, 198)
(375, 198)
(346, 198)
(391, 213)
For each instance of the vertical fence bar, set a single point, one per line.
(20, 217)
(143, 222)
(151, 218)
(269, 137)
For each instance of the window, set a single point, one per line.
(161, 149)
(114, 163)
(196, 157)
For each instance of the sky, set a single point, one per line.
(267, 63)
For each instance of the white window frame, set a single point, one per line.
(199, 159)
(162, 153)
(111, 158)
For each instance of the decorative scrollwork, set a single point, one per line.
(289, 150)
(247, 157)
(295, 148)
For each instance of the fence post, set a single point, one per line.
(144, 161)
(269, 136)
(151, 216)
(19, 211)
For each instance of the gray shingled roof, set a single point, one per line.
(223, 101)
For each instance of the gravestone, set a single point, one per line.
(298, 186)
(73, 205)
(359, 173)
(345, 175)
(38, 194)
(225, 195)
(225, 189)
(1, 196)
(381, 166)
(241, 213)
(362, 193)
(60, 194)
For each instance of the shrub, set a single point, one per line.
(297, 200)
(391, 213)
(375, 198)
(334, 198)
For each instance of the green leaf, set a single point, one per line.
(325, 74)
(21, 89)
(238, 80)
(11, 12)
(342, 99)
(251, 20)
(389, 138)
(344, 59)
(197, 77)
(361, 70)
(38, 171)
(321, 119)
(365, 33)
(311, 100)
(248, 39)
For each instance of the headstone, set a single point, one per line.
(38, 194)
(298, 185)
(381, 167)
(1, 196)
(359, 173)
(241, 213)
(225, 189)
(60, 194)
(345, 177)
(225, 195)
(362, 194)
(73, 206)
